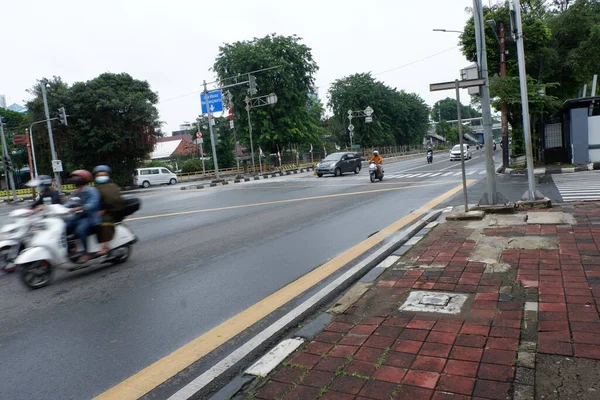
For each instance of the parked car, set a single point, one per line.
(338, 163)
(455, 152)
(144, 177)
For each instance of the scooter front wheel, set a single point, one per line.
(36, 274)
(372, 176)
(122, 254)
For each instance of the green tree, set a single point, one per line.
(399, 118)
(446, 110)
(291, 120)
(112, 120)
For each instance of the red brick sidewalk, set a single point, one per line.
(376, 351)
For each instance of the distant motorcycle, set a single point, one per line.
(375, 173)
(429, 157)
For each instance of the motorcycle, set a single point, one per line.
(13, 237)
(50, 248)
(429, 158)
(373, 172)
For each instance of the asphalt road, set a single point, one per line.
(202, 257)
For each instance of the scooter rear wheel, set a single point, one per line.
(5, 264)
(36, 274)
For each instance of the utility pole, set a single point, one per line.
(212, 135)
(504, 108)
(51, 137)
(461, 141)
(7, 172)
(486, 113)
(517, 28)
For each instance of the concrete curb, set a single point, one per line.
(248, 351)
(248, 179)
(550, 171)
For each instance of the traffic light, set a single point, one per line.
(62, 116)
(253, 87)
(7, 163)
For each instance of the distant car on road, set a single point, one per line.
(144, 177)
(455, 152)
(338, 163)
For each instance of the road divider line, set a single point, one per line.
(167, 367)
(267, 203)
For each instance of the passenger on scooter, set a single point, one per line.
(111, 204)
(85, 213)
(43, 183)
(378, 160)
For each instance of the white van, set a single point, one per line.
(144, 177)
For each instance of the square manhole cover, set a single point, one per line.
(440, 300)
(436, 302)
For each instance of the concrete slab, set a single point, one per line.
(497, 268)
(274, 357)
(507, 220)
(489, 249)
(550, 218)
(465, 216)
(536, 204)
(533, 243)
(508, 208)
(351, 297)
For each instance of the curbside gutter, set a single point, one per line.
(248, 351)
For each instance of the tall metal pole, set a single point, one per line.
(9, 174)
(486, 112)
(250, 132)
(33, 150)
(530, 194)
(461, 141)
(50, 136)
(201, 149)
(504, 108)
(210, 128)
(32, 174)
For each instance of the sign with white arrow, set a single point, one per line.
(215, 101)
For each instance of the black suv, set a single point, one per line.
(338, 163)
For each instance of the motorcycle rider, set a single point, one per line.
(45, 191)
(378, 160)
(111, 204)
(86, 214)
(429, 153)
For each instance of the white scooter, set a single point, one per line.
(373, 172)
(13, 237)
(49, 248)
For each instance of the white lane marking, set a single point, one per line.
(470, 172)
(427, 174)
(448, 173)
(436, 174)
(483, 172)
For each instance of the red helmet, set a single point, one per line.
(83, 175)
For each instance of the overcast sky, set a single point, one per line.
(173, 44)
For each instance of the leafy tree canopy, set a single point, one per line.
(399, 117)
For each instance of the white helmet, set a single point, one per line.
(375, 153)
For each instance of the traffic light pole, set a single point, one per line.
(51, 137)
(8, 174)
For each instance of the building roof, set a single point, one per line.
(187, 137)
(165, 149)
(579, 103)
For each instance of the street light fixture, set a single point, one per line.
(447, 30)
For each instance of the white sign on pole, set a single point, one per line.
(231, 124)
(350, 127)
(368, 119)
(368, 111)
(57, 166)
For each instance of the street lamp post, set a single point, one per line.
(51, 137)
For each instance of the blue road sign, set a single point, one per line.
(215, 101)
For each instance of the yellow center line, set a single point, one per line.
(266, 203)
(160, 371)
